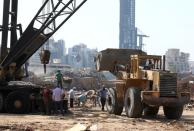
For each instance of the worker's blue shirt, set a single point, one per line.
(103, 93)
(82, 98)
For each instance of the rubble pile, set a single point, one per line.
(85, 83)
(82, 80)
(186, 84)
(184, 87)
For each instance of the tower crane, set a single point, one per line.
(140, 36)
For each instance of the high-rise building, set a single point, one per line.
(80, 56)
(57, 51)
(177, 61)
(128, 31)
(191, 63)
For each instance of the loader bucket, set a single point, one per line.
(106, 59)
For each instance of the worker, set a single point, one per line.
(32, 103)
(57, 99)
(72, 96)
(47, 99)
(149, 65)
(59, 78)
(64, 101)
(82, 99)
(103, 94)
(98, 98)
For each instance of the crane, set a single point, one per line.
(15, 96)
(141, 40)
(141, 35)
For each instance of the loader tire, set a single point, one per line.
(133, 104)
(1, 102)
(18, 102)
(151, 111)
(112, 103)
(173, 112)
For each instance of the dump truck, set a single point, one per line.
(142, 84)
(17, 96)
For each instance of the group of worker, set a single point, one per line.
(53, 98)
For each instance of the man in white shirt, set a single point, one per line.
(72, 96)
(57, 98)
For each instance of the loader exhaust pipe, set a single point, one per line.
(164, 62)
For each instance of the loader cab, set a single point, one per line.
(139, 64)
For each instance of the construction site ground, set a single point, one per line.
(95, 120)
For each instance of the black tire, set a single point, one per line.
(151, 111)
(133, 104)
(112, 103)
(18, 102)
(173, 112)
(1, 102)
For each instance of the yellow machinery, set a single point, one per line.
(142, 86)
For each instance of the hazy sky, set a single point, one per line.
(169, 23)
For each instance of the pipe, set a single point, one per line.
(164, 62)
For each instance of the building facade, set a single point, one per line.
(58, 52)
(57, 49)
(192, 66)
(177, 61)
(128, 31)
(80, 56)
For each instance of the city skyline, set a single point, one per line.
(168, 23)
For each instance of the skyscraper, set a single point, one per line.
(128, 31)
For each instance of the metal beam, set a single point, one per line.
(5, 29)
(33, 38)
(14, 9)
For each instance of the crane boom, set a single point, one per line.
(40, 29)
(33, 38)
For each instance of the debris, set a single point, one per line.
(4, 127)
(29, 129)
(94, 127)
(192, 128)
(172, 122)
(78, 127)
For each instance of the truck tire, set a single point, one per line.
(112, 103)
(1, 102)
(173, 112)
(18, 102)
(151, 111)
(133, 104)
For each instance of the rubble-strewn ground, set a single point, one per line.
(94, 119)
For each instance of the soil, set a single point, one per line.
(95, 120)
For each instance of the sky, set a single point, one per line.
(169, 23)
